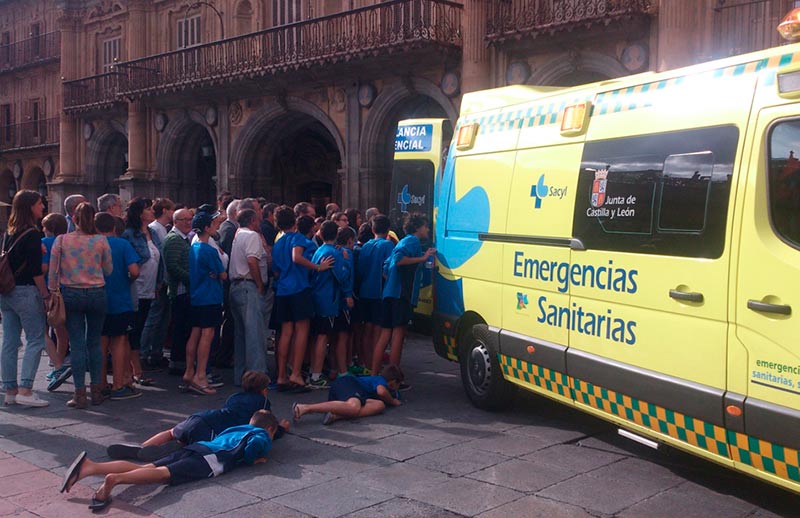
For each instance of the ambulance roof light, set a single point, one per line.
(789, 28)
(466, 136)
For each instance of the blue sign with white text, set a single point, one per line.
(416, 138)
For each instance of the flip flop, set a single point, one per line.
(283, 387)
(294, 388)
(295, 412)
(73, 471)
(98, 505)
(329, 419)
(205, 390)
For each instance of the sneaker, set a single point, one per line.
(124, 393)
(62, 375)
(10, 399)
(404, 387)
(320, 384)
(33, 400)
(50, 375)
(123, 451)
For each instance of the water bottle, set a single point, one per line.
(429, 263)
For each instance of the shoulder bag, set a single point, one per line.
(56, 312)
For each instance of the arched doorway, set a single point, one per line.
(187, 159)
(106, 159)
(289, 156)
(243, 19)
(422, 100)
(577, 68)
(35, 180)
(8, 188)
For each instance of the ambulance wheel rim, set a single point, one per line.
(480, 368)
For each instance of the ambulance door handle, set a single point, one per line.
(688, 296)
(766, 307)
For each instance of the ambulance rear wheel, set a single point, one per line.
(483, 382)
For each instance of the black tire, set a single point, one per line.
(482, 377)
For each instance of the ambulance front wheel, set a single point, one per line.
(482, 379)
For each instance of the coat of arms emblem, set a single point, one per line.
(599, 188)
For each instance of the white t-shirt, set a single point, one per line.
(247, 243)
(222, 255)
(159, 229)
(148, 274)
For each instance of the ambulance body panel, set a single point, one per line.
(632, 248)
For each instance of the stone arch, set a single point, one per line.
(377, 137)
(590, 65)
(34, 179)
(243, 17)
(258, 145)
(105, 157)
(7, 186)
(176, 162)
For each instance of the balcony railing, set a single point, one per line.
(515, 18)
(741, 26)
(95, 92)
(43, 132)
(386, 27)
(24, 53)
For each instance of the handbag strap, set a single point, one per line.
(17, 240)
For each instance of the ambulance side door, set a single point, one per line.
(764, 363)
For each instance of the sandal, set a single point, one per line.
(295, 412)
(71, 476)
(145, 382)
(98, 505)
(205, 390)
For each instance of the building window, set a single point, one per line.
(111, 53)
(189, 32)
(7, 122)
(784, 180)
(35, 39)
(286, 11)
(36, 117)
(5, 48)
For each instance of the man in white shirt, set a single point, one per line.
(248, 272)
(155, 327)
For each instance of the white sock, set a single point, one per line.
(316, 376)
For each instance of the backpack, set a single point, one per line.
(7, 282)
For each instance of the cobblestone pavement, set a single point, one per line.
(434, 456)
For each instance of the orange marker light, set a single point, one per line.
(789, 27)
(531, 349)
(734, 410)
(466, 136)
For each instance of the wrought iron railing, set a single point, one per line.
(93, 92)
(351, 35)
(741, 26)
(42, 132)
(39, 49)
(512, 18)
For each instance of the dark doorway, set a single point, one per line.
(113, 163)
(197, 168)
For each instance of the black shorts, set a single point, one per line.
(331, 325)
(346, 387)
(396, 313)
(294, 308)
(118, 324)
(205, 316)
(192, 429)
(371, 311)
(185, 466)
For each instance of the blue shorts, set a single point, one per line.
(192, 429)
(294, 308)
(185, 466)
(347, 387)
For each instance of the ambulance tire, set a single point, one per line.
(482, 378)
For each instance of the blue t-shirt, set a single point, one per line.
(229, 441)
(370, 385)
(327, 285)
(48, 246)
(401, 281)
(118, 284)
(370, 267)
(349, 261)
(292, 278)
(204, 290)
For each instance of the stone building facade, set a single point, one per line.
(298, 99)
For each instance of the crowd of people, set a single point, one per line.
(216, 284)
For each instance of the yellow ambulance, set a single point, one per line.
(631, 248)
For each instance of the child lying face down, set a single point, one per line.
(244, 444)
(356, 396)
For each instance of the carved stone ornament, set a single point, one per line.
(634, 57)
(161, 121)
(517, 73)
(366, 95)
(104, 7)
(18, 171)
(235, 113)
(48, 167)
(88, 130)
(338, 99)
(211, 115)
(450, 84)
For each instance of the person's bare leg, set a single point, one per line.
(318, 353)
(371, 407)
(203, 350)
(52, 352)
(398, 338)
(191, 355)
(143, 475)
(104, 346)
(287, 332)
(342, 341)
(384, 334)
(62, 341)
(348, 409)
(89, 468)
(136, 364)
(160, 438)
(300, 339)
(119, 361)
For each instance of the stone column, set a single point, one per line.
(475, 66)
(353, 193)
(681, 28)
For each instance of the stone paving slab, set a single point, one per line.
(400, 478)
(336, 498)
(465, 496)
(403, 508)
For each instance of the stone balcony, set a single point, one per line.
(30, 134)
(30, 52)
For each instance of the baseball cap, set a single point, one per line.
(209, 209)
(201, 220)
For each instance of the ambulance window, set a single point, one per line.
(784, 180)
(685, 187)
(664, 194)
